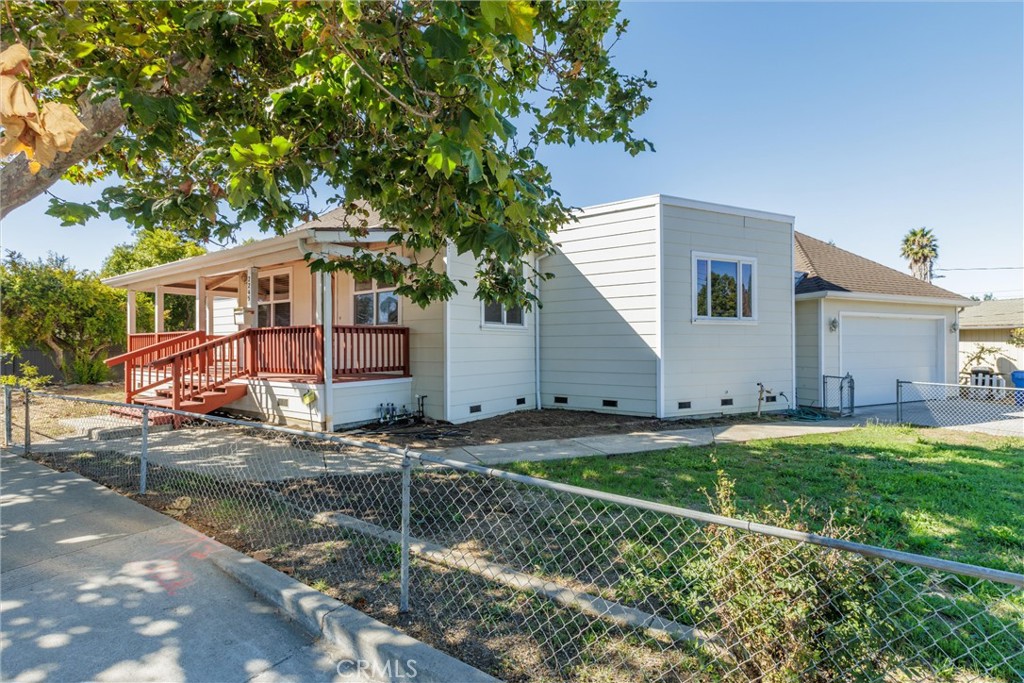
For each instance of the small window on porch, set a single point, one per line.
(274, 307)
(374, 304)
(498, 314)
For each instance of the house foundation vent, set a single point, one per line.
(521, 401)
(609, 403)
(475, 409)
(561, 399)
(726, 401)
(770, 399)
(684, 405)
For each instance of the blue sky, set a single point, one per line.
(862, 119)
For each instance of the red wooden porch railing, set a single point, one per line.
(139, 372)
(196, 362)
(207, 366)
(297, 350)
(362, 349)
(139, 341)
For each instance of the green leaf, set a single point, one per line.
(352, 9)
(281, 146)
(82, 49)
(444, 44)
(71, 213)
(472, 161)
(493, 10)
(520, 19)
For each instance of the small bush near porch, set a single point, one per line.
(947, 494)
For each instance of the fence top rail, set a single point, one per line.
(900, 557)
(951, 386)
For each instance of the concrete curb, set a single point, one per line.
(364, 645)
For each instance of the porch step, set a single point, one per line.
(206, 402)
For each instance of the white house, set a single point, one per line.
(660, 306)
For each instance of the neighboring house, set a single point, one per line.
(856, 316)
(660, 306)
(989, 324)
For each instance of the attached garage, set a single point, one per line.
(878, 350)
(877, 324)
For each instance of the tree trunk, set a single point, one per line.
(56, 354)
(101, 120)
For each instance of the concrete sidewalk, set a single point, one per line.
(98, 587)
(639, 442)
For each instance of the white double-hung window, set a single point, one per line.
(724, 287)
(274, 306)
(374, 304)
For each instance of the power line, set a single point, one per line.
(985, 268)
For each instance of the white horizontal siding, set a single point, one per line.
(599, 323)
(359, 402)
(706, 362)
(224, 315)
(491, 367)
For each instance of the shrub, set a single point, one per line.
(785, 610)
(29, 379)
(85, 370)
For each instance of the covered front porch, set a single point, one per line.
(270, 338)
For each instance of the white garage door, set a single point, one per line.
(878, 351)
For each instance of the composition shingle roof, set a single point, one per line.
(994, 314)
(831, 269)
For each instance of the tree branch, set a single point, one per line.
(102, 120)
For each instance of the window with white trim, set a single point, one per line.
(274, 300)
(374, 304)
(724, 287)
(499, 314)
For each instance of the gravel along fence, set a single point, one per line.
(536, 581)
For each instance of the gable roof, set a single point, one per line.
(994, 314)
(831, 269)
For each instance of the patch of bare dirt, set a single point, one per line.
(537, 425)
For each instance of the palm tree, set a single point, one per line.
(920, 248)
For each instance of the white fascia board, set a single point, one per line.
(681, 202)
(283, 245)
(990, 327)
(345, 237)
(886, 298)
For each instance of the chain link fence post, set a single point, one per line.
(403, 602)
(8, 437)
(899, 401)
(144, 449)
(28, 430)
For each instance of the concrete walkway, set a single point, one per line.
(98, 587)
(638, 442)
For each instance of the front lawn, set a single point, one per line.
(947, 494)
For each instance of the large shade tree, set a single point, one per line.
(212, 114)
(920, 247)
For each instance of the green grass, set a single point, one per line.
(947, 494)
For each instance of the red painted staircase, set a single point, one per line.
(192, 373)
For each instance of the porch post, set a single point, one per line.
(201, 304)
(158, 309)
(131, 311)
(326, 287)
(252, 293)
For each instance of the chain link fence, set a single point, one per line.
(992, 410)
(837, 395)
(532, 580)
